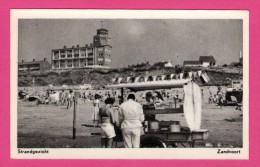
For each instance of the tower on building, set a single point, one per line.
(102, 47)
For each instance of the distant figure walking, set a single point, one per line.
(96, 103)
(62, 97)
(210, 98)
(69, 99)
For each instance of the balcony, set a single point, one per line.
(56, 57)
(83, 55)
(62, 56)
(69, 65)
(83, 64)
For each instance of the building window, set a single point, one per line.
(76, 63)
(100, 59)
(56, 54)
(76, 53)
(69, 63)
(83, 53)
(62, 54)
(83, 63)
(69, 53)
(62, 64)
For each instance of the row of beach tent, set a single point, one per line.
(170, 77)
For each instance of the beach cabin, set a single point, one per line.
(207, 61)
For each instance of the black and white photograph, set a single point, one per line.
(120, 82)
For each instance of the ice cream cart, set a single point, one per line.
(167, 133)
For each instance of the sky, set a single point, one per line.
(136, 40)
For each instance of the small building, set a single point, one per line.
(207, 61)
(192, 63)
(34, 65)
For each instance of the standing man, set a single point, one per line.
(131, 118)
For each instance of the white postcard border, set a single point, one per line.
(90, 153)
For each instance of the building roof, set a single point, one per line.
(33, 62)
(73, 48)
(192, 62)
(207, 59)
(102, 29)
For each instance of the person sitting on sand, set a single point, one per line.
(46, 100)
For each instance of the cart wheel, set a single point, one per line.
(152, 143)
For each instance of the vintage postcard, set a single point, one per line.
(129, 84)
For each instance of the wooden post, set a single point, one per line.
(175, 102)
(76, 96)
(122, 96)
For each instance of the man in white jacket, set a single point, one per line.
(131, 118)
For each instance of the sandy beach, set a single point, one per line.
(50, 126)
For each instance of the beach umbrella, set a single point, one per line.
(64, 86)
(120, 79)
(181, 75)
(113, 80)
(127, 79)
(190, 74)
(172, 75)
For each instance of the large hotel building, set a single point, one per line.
(96, 55)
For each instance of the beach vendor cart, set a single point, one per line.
(167, 133)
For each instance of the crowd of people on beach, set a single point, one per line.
(128, 116)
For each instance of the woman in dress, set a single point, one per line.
(96, 109)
